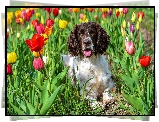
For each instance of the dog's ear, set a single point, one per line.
(73, 44)
(102, 40)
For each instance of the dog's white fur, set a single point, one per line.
(95, 67)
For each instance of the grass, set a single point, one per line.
(49, 91)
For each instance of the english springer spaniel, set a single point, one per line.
(87, 43)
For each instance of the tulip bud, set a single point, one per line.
(140, 19)
(137, 25)
(11, 57)
(28, 27)
(125, 10)
(38, 63)
(32, 28)
(132, 28)
(124, 24)
(18, 35)
(81, 15)
(96, 17)
(45, 59)
(37, 15)
(42, 20)
(60, 11)
(133, 17)
(130, 48)
(9, 69)
(128, 25)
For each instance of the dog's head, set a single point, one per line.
(88, 39)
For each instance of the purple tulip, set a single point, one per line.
(110, 12)
(132, 28)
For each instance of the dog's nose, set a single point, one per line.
(87, 41)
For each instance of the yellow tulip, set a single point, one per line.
(18, 35)
(137, 25)
(62, 24)
(37, 15)
(18, 13)
(140, 18)
(128, 25)
(28, 27)
(38, 54)
(124, 33)
(22, 9)
(10, 14)
(133, 17)
(76, 10)
(56, 20)
(42, 20)
(21, 20)
(11, 57)
(124, 24)
(105, 10)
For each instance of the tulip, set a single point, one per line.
(145, 61)
(110, 12)
(18, 13)
(48, 30)
(21, 20)
(60, 12)
(49, 10)
(17, 20)
(36, 43)
(11, 57)
(62, 24)
(137, 25)
(56, 11)
(18, 35)
(104, 15)
(49, 22)
(9, 69)
(76, 10)
(132, 28)
(133, 17)
(42, 20)
(37, 15)
(130, 48)
(125, 10)
(96, 17)
(140, 19)
(91, 9)
(120, 9)
(128, 25)
(140, 14)
(105, 10)
(28, 27)
(81, 15)
(40, 28)
(70, 10)
(7, 34)
(38, 54)
(124, 24)
(38, 63)
(34, 23)
(45, 59)
(117, 13)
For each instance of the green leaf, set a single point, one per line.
(135, 102)
(20, 112)
(45, 95)
(49, 102)
(31, 108)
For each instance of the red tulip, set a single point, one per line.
(40, 28)
(145, 61)
(96, 17)
(49, 22)
(29, 13)
(140, 14)
(70, 10)
(117, 14)
(91, 9)
(7, 34)
(9, 69)
(34, 23)
(49, 10)
(36, 43)
(56, 11)
(17, 20)
(104, 15)
(38, 63)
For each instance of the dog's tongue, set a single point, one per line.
(87, 53)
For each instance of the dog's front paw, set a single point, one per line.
(107, 98)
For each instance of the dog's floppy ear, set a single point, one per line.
(102, 39)
(73, 44)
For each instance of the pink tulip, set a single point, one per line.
(40, 28)
(70, 10)
(49, 22)
(130, 48)
(81, 16)
(125, 10)
(38, 63)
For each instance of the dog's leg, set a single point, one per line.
(107, 96)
